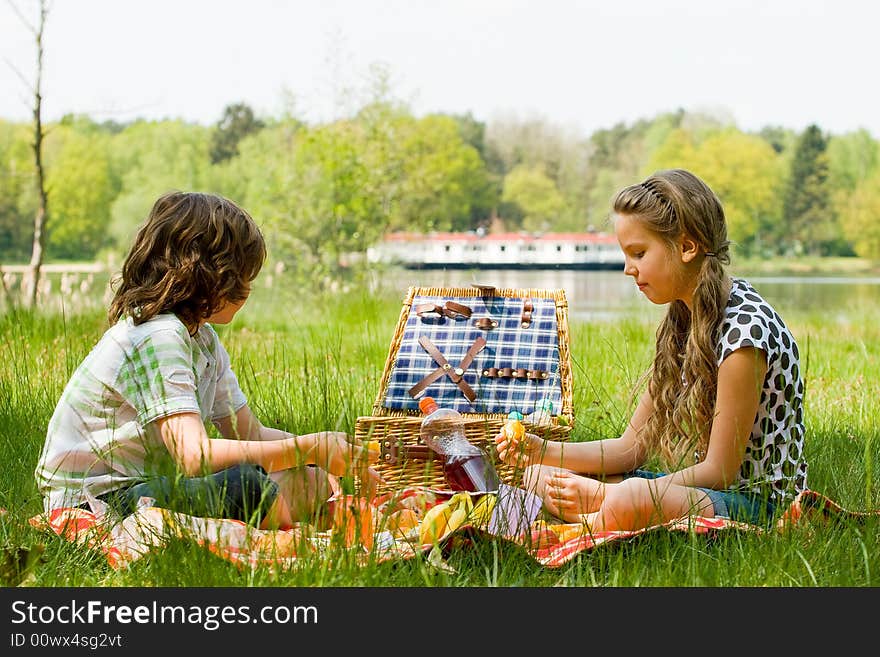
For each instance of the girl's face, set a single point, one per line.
(661, 272)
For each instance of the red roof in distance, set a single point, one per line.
(502, 237)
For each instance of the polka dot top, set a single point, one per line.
(774, 461)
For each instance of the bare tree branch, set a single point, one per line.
(22, 17)
(18, 73)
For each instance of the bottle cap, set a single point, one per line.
(514, 415)
(544, 403)
(427, 405)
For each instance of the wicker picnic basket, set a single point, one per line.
(481, 350)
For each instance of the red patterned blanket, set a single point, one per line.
(386, 528)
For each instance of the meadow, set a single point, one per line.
(312, 362)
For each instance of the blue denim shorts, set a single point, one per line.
(243, 492)
(737, 505)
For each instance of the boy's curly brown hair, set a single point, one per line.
(194, 252)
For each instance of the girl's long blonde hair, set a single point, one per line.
(683, 377)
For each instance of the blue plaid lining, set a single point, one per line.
(507, 345)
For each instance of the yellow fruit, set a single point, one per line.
(433, 525)
(462, 500)
(456, 520)
(482, 511)
(514, 430)
(568, 531)
(402, 521)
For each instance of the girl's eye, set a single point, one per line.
(639, 254)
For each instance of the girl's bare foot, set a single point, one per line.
(569, 496)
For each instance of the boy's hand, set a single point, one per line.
(365, 453)
(329, 450)
(370, 478)
(337, 454)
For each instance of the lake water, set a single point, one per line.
(598, 295)
(592, 295)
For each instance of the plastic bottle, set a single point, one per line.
(542, 416)
(465, 466)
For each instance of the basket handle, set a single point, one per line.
(485, 323)
(449, 309)
(528, 308)
(392, 452)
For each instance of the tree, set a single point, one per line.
(444, 183)
(742, 169)
(473, 132)
(536, 195)
(313, 194)
(809, 222)
(778, 137)
(82, 191)
(237, 122)
(154, 157)
(559, 152)
(852, 158)
(861, 225)
(16, 183)
(853, 161)
(41, 216)
(619, 156)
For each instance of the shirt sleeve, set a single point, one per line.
(157, 377)
(229, 397)
(743, 329)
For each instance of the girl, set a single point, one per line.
(131, 420)
(722, 411)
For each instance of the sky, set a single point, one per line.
(584, 65)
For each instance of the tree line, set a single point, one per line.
(322, 191)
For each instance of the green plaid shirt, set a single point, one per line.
(98, 438)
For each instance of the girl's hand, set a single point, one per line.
(518, 453)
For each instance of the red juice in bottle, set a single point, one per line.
(470, 472)
(465, 466)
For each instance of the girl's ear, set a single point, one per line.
(689, 249)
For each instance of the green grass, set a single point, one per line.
(308, 364)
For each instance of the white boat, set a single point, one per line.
(499, 251)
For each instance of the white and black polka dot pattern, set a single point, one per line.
(774, 459)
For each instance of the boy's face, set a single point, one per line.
(227, 311)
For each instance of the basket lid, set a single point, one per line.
(524, 355)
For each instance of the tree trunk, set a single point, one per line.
(31, 286)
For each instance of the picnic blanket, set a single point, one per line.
(551, 545)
